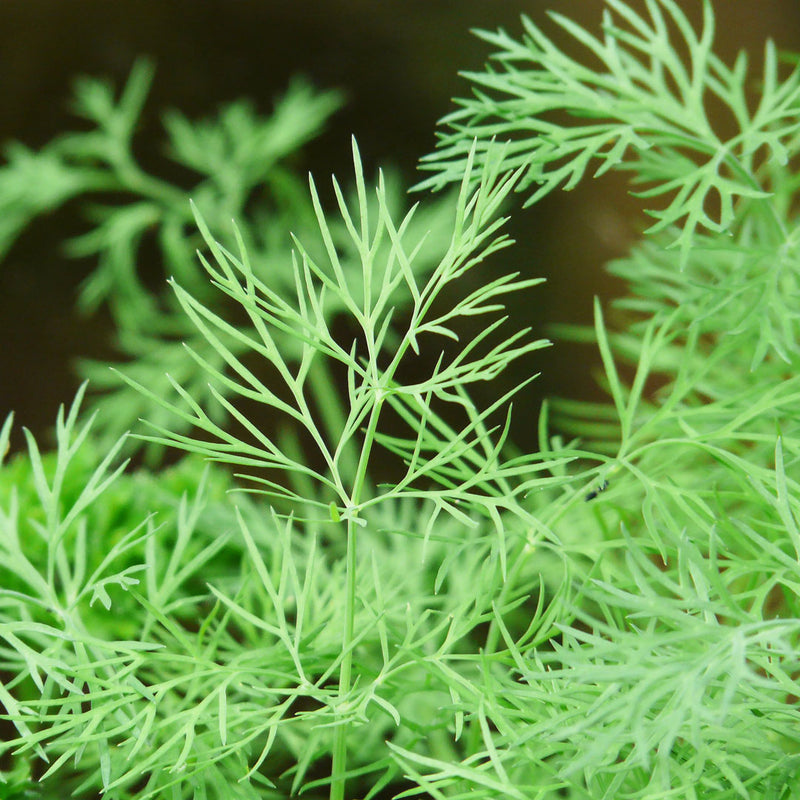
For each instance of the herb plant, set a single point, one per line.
(385, 597)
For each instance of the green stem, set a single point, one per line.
(339, 764)
(138, 181)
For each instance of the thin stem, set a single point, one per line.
(339, 764)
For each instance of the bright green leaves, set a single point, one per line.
(710, 144)
(467, 623)
(289, 333)
(678, 618)
(645, 110)
(155, 635)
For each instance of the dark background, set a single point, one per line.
(397, 60)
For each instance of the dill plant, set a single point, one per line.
(614, 616)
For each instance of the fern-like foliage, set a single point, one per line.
(371, 362)
(637, 105)
(614, 616)
(683, 629)
(234, 156)
(236, 163)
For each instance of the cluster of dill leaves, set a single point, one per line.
(472, 627)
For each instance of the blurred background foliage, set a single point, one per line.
(396, 63)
